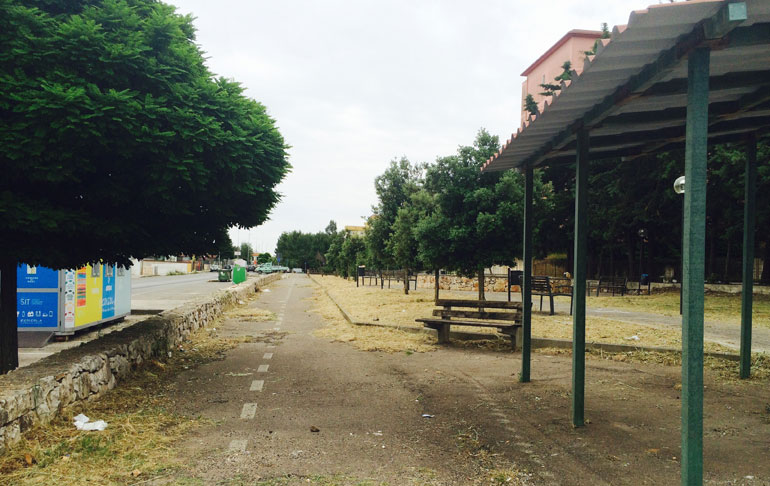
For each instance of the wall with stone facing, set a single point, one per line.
(36, 394)
(454, 282)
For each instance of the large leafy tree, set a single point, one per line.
(394, 187)
(478, 217)
(116, 141)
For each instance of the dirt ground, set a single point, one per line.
(484, 426)
(300, 399)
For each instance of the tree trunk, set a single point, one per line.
(765, 277)
(481, 285)
(406, 281)
(437, 279)
(726, 275)
(9, 341)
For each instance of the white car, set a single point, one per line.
(297, 270)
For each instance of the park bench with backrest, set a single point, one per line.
(550, 287)
(505, 316)
(611, 284)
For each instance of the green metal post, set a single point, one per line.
(579, 287)
(749, 212)
(694, 259)
(526, 291)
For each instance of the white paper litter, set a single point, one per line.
(265, 290)
(633, 338)
(82, 422)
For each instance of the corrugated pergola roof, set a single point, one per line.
(632, 95)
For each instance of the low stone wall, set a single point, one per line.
(454, 282)
(36, 394)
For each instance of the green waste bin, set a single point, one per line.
(224, 275)
(239, 274)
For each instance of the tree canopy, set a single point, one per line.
(116, 141)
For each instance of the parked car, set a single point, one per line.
(297, 270)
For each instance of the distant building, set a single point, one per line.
(357, 231)
(571, 47)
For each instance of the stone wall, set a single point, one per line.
(36, 394)
(455, 282)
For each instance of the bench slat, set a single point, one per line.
(500, 316)
(486, 304)
(442, 322)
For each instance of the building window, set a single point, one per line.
(95, 270)
(108, 270)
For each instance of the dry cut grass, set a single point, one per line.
(392, 307)
(367, 338)
(136, 446)
(718, 306)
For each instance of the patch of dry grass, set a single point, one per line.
(136, 446)
(250, 314)
(367, 338)
(723, 369)
(718, 306)
(391, 306)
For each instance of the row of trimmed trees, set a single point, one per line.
(449, 215)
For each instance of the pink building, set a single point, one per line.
(571, 48)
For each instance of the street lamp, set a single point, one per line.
(679, 189)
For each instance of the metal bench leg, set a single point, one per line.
(517, 337)
(443, 334)
(541, 303)
(551, 297)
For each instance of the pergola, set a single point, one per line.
(685, 74)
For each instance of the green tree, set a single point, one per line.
(530, 105)
(394, 187)
(246, 251)
(116, 141)
(264, 257)
(478, 217)
(550, 89)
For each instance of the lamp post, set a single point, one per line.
(679, 189)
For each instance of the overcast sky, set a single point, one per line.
(353, 84)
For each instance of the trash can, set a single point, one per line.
(224, 275)
(239, 274)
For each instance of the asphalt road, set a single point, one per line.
(167, 292)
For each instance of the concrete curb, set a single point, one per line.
(537, 342)
(38, 393)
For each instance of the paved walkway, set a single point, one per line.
(289, 408)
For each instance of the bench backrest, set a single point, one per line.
(541, 284)
(472, 309)
(479, 304)
(613, 281)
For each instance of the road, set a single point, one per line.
(167, 292)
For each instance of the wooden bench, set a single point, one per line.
(550, 287)
(506, 317)
(612, 284)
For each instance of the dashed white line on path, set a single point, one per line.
(262, 368)
(249, 410)
(257, 385)
(237, 445)
(268, 356)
